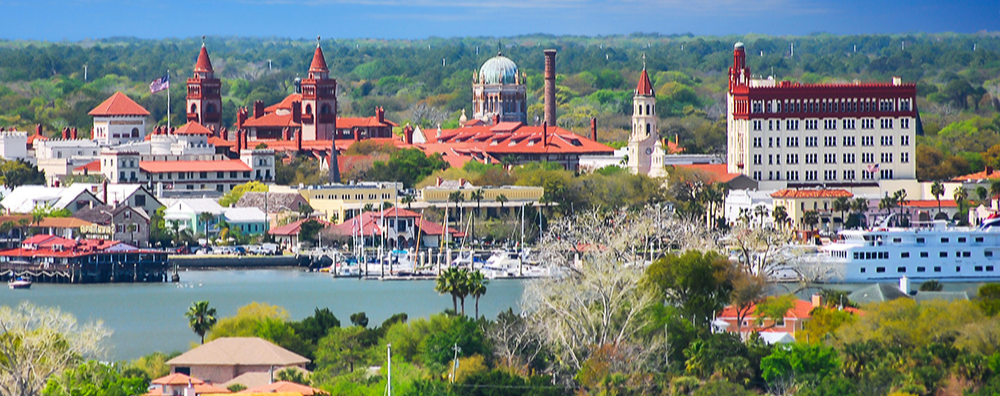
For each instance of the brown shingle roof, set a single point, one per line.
(238, 351)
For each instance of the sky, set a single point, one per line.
(76, 20)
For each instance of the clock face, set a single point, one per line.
(649, 151)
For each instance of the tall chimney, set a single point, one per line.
(258, 109)
(593, 129)
(545, 135)
(298, 140)
(550, 87)
(72, 133)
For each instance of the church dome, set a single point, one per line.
(498, 70)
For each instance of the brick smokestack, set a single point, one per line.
(258, 109)
(72, 133)
(550, 87)
(593, 129)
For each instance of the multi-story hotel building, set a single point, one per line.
(806, 135)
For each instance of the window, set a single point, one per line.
(203, 175)
(792, 142)
(849, 124)
(810, 158)
(868, 124)
(756, 125)
(979, 239)
(904, 255)
(904, 123)
(901, 270)
(220, 175)
(943, 254)
(140, 200)
(989, 268)
(886, 173)
(849, 141)
(944, 240)
(830, 175)
(811, 141)
(849, 175)
(978, 268)
(886, 123)
(904, 140)
(904, 157)
(829, 124)
(966, 254)
(812, 124)
(757, 159)
(886, 140)
(792, 125)
(830, 141)
(880, 269)
(958, 269)
(961, 239)
(921, 269)
(757, 141)
(830, 158)
(988, 253)
(849, 158)
(886, 158)
(810, 175)
(867, 158)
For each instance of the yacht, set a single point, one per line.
(934, 251)
(19, 283)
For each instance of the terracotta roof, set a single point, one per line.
(204, 64)
(930, 203)
(194, 166)
(92, 166)
(523, 140)
(33, 138)
(318, 62)
(432, 228)
(285, 104)
(644, 88)
(272, 120)
(351, 122)
(801, 310)
(365, 224)
(292, 229)
(119, 104)
(199, 390)
(192, 128)
(393, 212)
(177, 379)
(788, 193)
(987, 174)
(718, 173)
(285, 386)
(220, 142)
(63, 222)
(242, 351)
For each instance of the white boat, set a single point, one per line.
(19, 283)
(936, 251)
(502, 264)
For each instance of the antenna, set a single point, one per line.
(643, 61)
(317, 41)
(203, 40)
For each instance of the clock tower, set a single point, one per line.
(204, 94)
(642, 142)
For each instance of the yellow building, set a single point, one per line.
(797, 202)
(339, 202)
(515, 196)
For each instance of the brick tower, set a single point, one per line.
(319, 100)
(204, 94)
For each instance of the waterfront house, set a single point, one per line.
(223, 359)
(275, 204)
(49, 258)
(402, 229)
(288, 235)
(182, 385)
(24, 199)
(249, 221)
(187, 213)
(123, 223)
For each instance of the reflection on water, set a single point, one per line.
(150, 317)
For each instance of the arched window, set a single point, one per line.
(639, 109)
(135, 132)
(194, 108)
(647, 110)
(325, 109)
(648, 128)
(309, 109)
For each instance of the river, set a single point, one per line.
(150, 317)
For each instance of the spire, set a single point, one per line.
(645, 88)
(499, 49)
(204, 64)
(319, 62)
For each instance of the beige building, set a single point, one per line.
(797, 202)
(438, 195)
(221, 360)
(339, 202)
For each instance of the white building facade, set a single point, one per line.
(785, 134)
(645, 150)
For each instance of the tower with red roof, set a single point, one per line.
(204, 93)
(645, 154)
(319, 100)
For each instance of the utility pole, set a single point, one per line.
(454, 368)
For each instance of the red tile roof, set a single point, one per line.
(177, 379)
(220, 142)
(194, 166)
(801, 310)
(318, 62)
(523, 140)
(292, 229)
(92, 166)
(393, 212)
(987, 174)
(272, 120)
(204, 64)
(644, 88)
(930, 203)
(351, 122)
(119, 104)
(365, 224)
(33, 138)
(192, 128)
(285, 386)
(717, 173)
(285, 104)
(789, 193)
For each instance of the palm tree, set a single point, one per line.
(201, 318)
(502, 199)
(457, 197)
(981, 193)
(780, 215)
(407, 200)
(446, 284)
(960, 196)
(937, 189)
(206, 218)
(462, 287)
(841, 204)
(899, 199)
(886, 203)
(477, 287)
(810, 218)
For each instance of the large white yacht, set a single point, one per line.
(936, 251)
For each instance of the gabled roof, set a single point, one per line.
(242, 351)
(119, 104)
(92, 166)
(645, 88)
(177, 379)
(400, 212)
(24, 198)
(204, 64)
(63, 222)
(822, 193)
(987, 174)
(351, 122)
(365, 224)
(276, 202)
(717, 173)
(292, 229)
(192, 128)
(196, 205)
(285, 386)
(285, 104)
(879, 292)
(272, 120)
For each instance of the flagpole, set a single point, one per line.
(168, 100)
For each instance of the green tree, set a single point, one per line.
(309, 231)
(699, 284)
(206, 218)
(477, 287)
(989, 298)
(407, 200)
(960, 195)
(342, 349)
(502, 199)
(841, 204)
(931, 285)
(201, 318)
(97, 379)
(293, 375)
(407, 166)
(937, 189)
(315, 327)
(780, 215)
(234, 195)
(359, 319)
(810, 218)
(995, 189)
(797, 360)
(15, 173)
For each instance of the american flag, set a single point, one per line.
(160, 84)
(872, 168)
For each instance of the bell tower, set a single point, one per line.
(204, 94)
(642, 141)
(319, 100)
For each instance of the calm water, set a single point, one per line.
(150, 317)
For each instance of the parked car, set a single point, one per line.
(268, 249)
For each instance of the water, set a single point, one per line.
(150, 317)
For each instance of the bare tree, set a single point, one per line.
(37, 343)
(513, 344)
(761, 250)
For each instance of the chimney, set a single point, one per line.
(550, 87)
(38, 129)
(545, 134)
(989, 170)
(438, 182)
(72, 133)
(817, 300)
(241, 118)
(105, 193)
(496, 119)
(65, 133)
(298, 140)
(246, 144)
(408, 134)
(297, 112)
(239, 141)
(380, 114)
(897, 81)
(224, 134)
(904, 285)
(593, 129)
(258, 109)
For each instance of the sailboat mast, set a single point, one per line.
(388, 381)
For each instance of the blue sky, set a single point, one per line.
(80, 19)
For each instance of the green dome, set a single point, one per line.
(498, 70)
